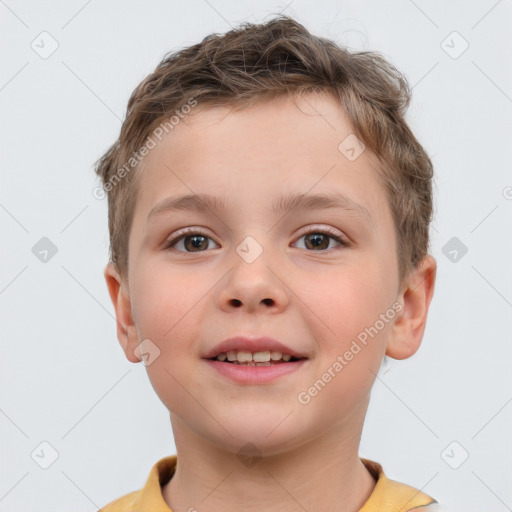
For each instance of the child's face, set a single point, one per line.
(308, 292)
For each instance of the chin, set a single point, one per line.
(255, 436)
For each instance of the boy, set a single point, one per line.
(269, 212)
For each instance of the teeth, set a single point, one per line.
(262, 358)
(275, 355)
(243, 357)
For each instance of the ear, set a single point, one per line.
(126, 330)
(410, 322)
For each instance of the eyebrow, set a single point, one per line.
(285, 204)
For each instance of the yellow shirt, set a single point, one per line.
(387, 496)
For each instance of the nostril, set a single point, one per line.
(236, 302)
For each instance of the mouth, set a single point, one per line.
(260, 358)
(254, 361)
(243, 349)
(255, 368)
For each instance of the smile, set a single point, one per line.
(261, 358)
(255, 372)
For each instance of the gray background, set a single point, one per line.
(64, 378)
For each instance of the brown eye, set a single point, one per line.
(195, 242)
(190, 241)
(319, 241)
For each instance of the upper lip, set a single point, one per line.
(252, 345)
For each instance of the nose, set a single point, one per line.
(254, 286)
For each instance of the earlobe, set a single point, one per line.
(126, 329)
(410, 323)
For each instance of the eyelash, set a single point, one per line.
(195, 231)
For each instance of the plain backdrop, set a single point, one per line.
(440, 421)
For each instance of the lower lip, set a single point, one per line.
(255, 374)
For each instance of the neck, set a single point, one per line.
(324, 475)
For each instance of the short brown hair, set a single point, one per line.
(258, 62)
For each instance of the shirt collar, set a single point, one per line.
(387, 496)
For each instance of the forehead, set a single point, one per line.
(290, 133)
(265, 126)
(251, 156)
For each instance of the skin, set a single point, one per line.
(314, 300)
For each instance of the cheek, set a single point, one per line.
(349, 299)
(162, 304)
(357, 315)
(166, 312)
(345, 373)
